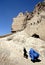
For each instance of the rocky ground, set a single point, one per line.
(23, 27)
(11, 49)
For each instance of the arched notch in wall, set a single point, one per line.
(34, 23)
(37, 21)
(31, 23)
(35, 35)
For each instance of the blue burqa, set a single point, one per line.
(33, 54)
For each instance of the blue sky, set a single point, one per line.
(10, 9)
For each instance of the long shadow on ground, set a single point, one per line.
(37, 60)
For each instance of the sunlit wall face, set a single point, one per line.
(10, 9)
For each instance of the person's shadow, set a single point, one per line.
(37, 60)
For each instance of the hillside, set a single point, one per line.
(31, 23)
(23, 27)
